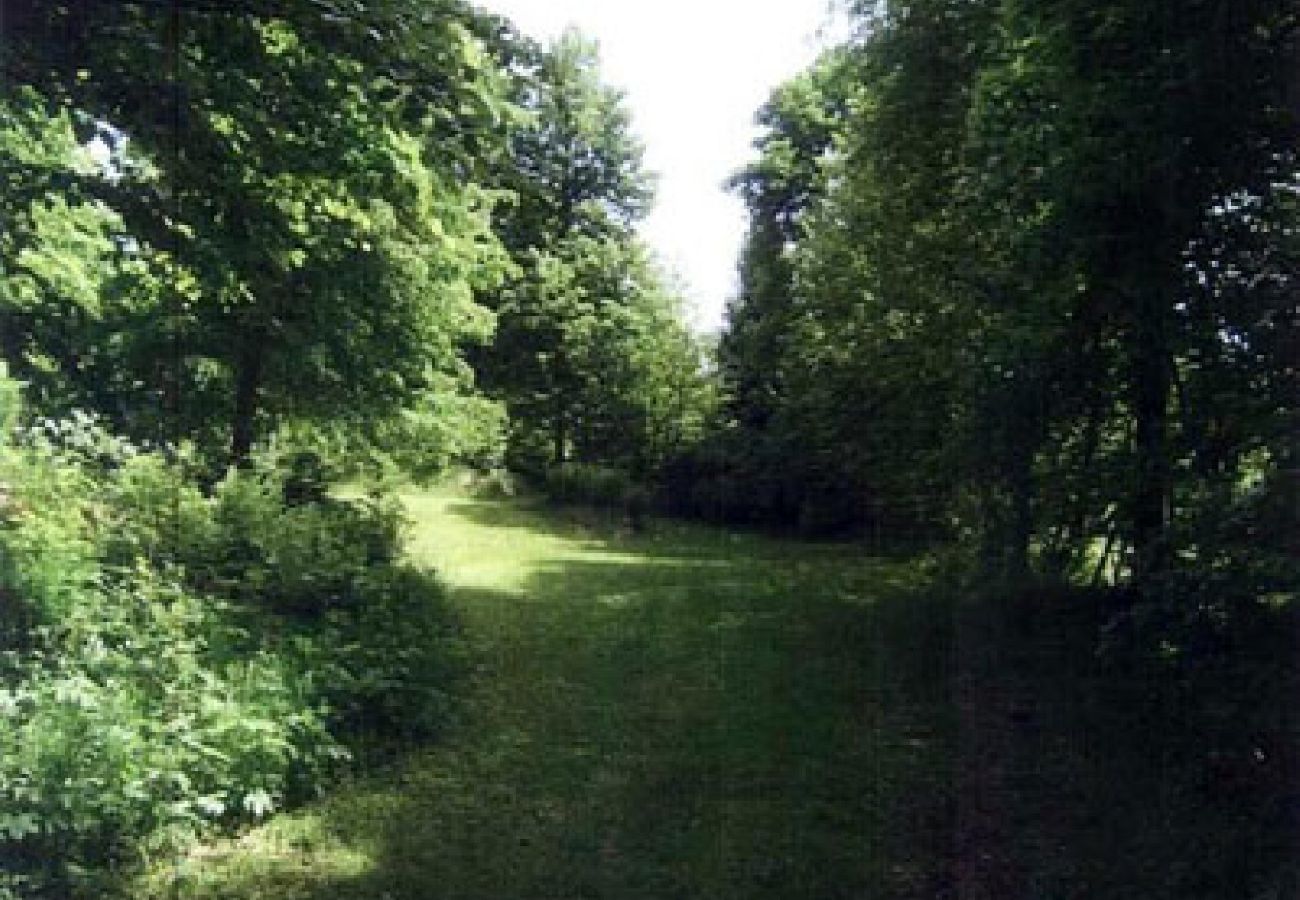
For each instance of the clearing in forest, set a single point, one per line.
(679, 713)
(697, 714)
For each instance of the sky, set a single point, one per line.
(695, 72)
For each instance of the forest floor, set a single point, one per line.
(690, 713)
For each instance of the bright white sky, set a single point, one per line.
(695, 73)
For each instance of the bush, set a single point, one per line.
(133, 718)
(46, 549)
(153, 512)
(301, 559)
(385, 663)
(173, 660)
(589, 485)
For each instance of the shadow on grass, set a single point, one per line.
(656, 537)
(677, 721)
(709, 717)
(677, 740)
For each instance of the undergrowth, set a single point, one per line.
(175, 661)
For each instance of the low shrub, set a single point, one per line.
(152, 511)
(301, 559)
(173, 660)
(47, 548)
(132, 718)
(589, 485)
(384, 664)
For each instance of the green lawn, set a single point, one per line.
(678, 713)
(688, 713)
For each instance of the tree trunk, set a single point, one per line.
(1151, 386)
(248, 383)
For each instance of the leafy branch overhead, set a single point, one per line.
(302, 185)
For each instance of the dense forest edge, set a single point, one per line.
(1017, 311)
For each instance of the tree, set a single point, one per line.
(307, 175)
(576, 168)
(1135, 123)
(847, 308)
(586, 327)
(801, 122)
(1069, 228)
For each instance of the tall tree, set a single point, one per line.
(306, 171)
(578, 187)
(800, 123)
(1134, 123)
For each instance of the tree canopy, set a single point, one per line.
(1010, 267)
(301, 183)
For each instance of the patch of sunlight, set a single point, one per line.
(617, 558)
(292, 857)
(505, 547)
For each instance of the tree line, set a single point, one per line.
(381, 226)
(1024, 273)
(1019, 273)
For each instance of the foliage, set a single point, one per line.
(321, 266)
(298, 558)
(384, 666)
(467, 430)
(172, 660)
(311, 259)
(937, 213)
(591, 356)
(1020, 277)
(133, 717)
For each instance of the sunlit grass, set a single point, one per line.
(678, 712)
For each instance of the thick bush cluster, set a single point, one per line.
(600, 487)
(736, 479)
(173, 659)
(588, 484)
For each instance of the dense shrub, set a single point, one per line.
(590, 485)
(302, 558)
(172, 660)
(384, 663)
(134, 718)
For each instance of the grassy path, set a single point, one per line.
(678, 714)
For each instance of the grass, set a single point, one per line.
(689, 713)
(678, 713)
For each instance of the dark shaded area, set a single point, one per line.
(1111, 747)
